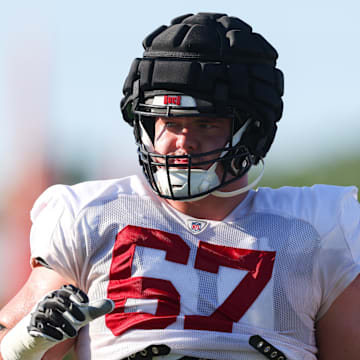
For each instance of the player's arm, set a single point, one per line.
(56, 317)
(40, 282)
(338, 331)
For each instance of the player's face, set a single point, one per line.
(191, 135)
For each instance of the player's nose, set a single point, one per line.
(187, 140)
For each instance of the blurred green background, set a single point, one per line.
(344, 171)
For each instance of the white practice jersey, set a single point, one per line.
(273, 267)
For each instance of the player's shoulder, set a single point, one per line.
(77, 197)
(316, 195)
(321, 205)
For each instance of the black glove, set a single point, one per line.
(63, 312)
(58, 316)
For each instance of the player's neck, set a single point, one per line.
(212, 207)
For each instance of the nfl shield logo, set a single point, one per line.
(196, 226)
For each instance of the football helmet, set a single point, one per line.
(209, 65)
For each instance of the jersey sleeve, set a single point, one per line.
(339, 256)
(52, 239)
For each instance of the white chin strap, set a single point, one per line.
(225, 194)
(200, 181)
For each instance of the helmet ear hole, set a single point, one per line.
(240, 165)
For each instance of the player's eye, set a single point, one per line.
(170, 124)
(208, 125)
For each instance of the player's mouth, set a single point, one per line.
(180, 161)
(183, 162)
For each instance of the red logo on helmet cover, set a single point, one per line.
(172, 100)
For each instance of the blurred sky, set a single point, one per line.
(63, 64)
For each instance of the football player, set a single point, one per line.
(190, 262)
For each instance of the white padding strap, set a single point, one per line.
(225, 194)
(19, 344)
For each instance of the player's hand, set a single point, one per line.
(58, 316)
(63, 312)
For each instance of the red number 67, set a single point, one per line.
(209, 257)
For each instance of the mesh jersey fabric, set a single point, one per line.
(292, 252)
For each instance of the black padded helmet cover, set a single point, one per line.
(216, 58)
